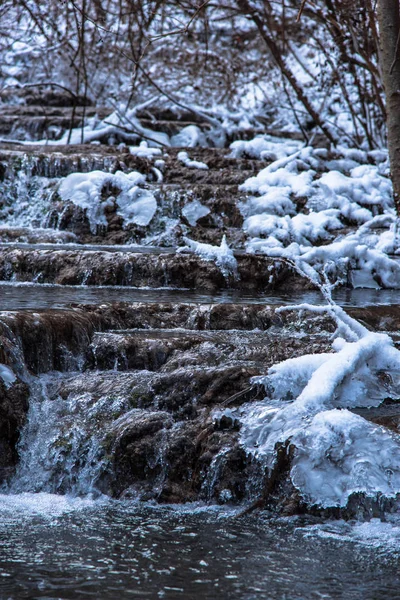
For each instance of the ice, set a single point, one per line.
(308, 399)
(94, 193)
(340, 453)
(193, 211)
(7, 375)
(222, 255)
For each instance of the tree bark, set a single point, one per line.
(389, 30)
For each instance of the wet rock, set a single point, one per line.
(13, 413)
(138, 269)
(65, 339)
(26, 235)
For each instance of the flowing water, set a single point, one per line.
(55, 547)
(16, 296)
(61, 538)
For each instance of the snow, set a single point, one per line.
(144, 151)
(189, 137)
(264, 147)
(222, 255)
(93, 193)
(334, 193)
(183, 157)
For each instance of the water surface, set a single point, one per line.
(17, 296)
(52, 547)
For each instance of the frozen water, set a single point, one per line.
(93, 192)
(193, 211)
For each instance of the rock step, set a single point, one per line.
(66, 267)
(29, 235)
(59, 161)
(387, 414)
(54, 161)
(71, 246)
(38, 122)
(62, 339)
(170, 349)
(157, 436)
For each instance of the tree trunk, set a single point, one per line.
(389, 29)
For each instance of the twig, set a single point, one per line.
(301, 11)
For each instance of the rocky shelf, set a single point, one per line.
(132, 398)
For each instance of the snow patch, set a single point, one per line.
(94, 191)
(189, 137)
(183, 157)
(222, 255)
(143, 151)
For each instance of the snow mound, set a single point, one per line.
(189, 137)
(96, 191)
(295, 212)
(143, 150)
(308, 402)
(183, 157)
(264, 147)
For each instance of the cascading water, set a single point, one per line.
(62, 445)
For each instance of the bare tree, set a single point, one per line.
(389, 28)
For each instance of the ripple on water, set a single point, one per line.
(108, 549)
(27, 295)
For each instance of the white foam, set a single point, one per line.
(44, 504)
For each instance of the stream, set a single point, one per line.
(17, 296)
(120, 475)
(56, 547)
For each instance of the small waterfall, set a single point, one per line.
(63, 446)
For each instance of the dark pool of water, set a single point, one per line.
(17, 296)
(116, 551)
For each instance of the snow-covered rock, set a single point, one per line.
(134, 204)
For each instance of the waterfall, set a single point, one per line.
(62, 447)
